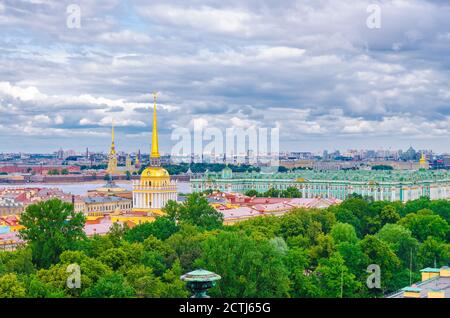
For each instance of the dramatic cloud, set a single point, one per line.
(312, 68)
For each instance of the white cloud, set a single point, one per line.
(124, 37)
(203, 18)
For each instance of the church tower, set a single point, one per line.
(112, 158)
(423, 163)
(152, 192)
(128, 163)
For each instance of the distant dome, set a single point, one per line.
(151, 172)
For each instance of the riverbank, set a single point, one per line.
(81, 188)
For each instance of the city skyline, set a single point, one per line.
(316, 71)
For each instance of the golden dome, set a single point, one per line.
(152, 172)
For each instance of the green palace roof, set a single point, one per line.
(406, 176)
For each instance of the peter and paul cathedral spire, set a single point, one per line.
(112, 158)
(154, 155)
(113, 147)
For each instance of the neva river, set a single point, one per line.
(82, 188)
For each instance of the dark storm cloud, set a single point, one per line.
(312, 68)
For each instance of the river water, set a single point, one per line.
(82, 188)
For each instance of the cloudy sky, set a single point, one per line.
(312, 68)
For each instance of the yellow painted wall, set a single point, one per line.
(436, 294)
(411, 294)
(444, 272)
(134, 219)
(428, 275)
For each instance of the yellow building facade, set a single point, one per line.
(154, 189)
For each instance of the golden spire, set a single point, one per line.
(113, 148)
(155, 149)
(423, 160)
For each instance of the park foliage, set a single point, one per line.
(304, 253)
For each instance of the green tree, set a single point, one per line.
(441, 208)
(267, 226)
(379, 252)
(128, 175)
(173, 286)
(251, 193)
(335, 279)
(389, 215)
(112, 285)
(162, 228)
(360, 210)
(51, 227)
(354, 258)
(323, 248)
(344, 215)
(400, 240)
(11, 287)
(248, 268)
(19, 262)
(117, 232)
(291, 192)
(54, 279)
(343, 232)
(272, 193)
(416, 205)
(144, 282)
(114, 257)
(307, 223)
(433, 253)
(424, 224)
(196, 211)
(187, 244)
(302, 283)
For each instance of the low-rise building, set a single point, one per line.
(239, 207)
(101, 205)
(435, 284)
(9, 206)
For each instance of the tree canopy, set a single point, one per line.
(303, 253)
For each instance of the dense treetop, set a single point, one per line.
(304, 253)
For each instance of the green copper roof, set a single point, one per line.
(398, 176)
(412, 289)
(430, 270)
(200, 275)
